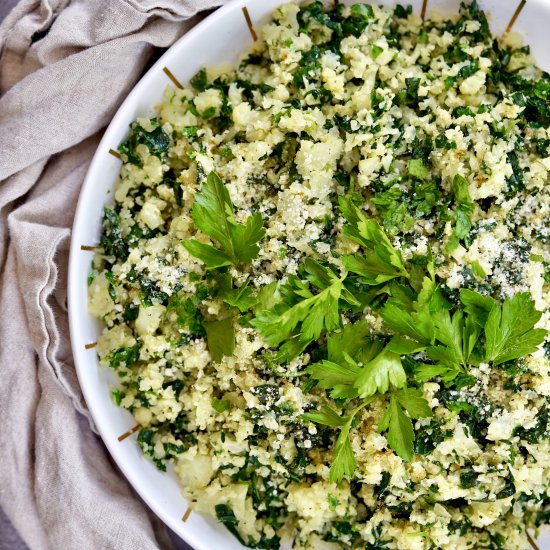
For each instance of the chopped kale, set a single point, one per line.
(157, 141)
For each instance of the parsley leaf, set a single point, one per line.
(398, 423)
(417, 326)
(510, 332)
(213, 213)
(476, 305)
(341, 372)
(220, 336)
(157, 142)
(418, 169)
(325, 416)
(447, 374)
(376, 376)
(352, 339)
(464, 207)
(339, 377)
(210, 256)
(315, 312)
(382, 262)
(220, 405)
(343, 461)
(242, 298)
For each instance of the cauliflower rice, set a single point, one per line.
(335, 119)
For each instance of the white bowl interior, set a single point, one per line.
(195, 50)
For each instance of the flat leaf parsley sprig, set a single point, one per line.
(308, 310)
(444, 339)
(213, 213)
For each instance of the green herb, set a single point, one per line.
(409, 95)
(242, 298)
(348, 380)
(151, 293)
(442, 142)
(399, 425)
(351, 340)
(210, 256)
(333, 502)
(382, 261)
(208, 113)
(91, 276)
(111, 239)
(157, 141)
(515, 181)
(469, 69)
(376, 51)
(220, 336)
(310, 62)
(477, 305)
(187, 312)
(343, 460)
(340, 378)
(358, 20)
(124, 357)
(464, 207)
(418, 169)
(189, 131)
(213, 213)
(313, 312)
(225, 515)
(117, 397)
(220, 405)
(200, 81)
(468, 479)
(478, 270)
(451, 341)
(378, 374)
(402, 12)
(510, 332)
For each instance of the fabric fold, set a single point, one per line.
(65, 67)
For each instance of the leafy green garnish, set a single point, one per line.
(187, 313)
(111, 239)
(242, 298)
(213, 213)
(124, 357)
(220, 405)
(210, 256)
(464, 207)
(510, 332)
(343, 460)
(376, 51)
(452, 341)
(313, 312)
(157, 142)
(399, 424)
(338, 377)
(352, 340)
(220, 336)
(226, 516)
(382, 261)
(378, 374)
(200, 80)
(348, 380)
(418, 169)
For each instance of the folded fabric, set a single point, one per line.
(64, 69)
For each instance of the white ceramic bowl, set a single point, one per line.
(218, 39)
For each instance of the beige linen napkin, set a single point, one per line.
(65, 66)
